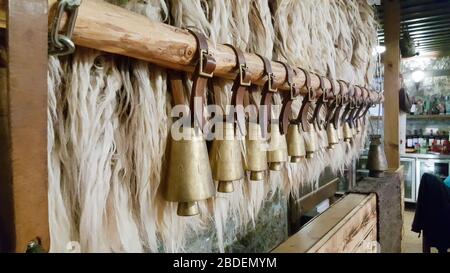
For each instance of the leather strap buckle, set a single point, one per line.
(324, 90)
(204, 55)
(242, 69)
(292, 90)
(270, 86)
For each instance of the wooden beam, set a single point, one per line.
(107, 27)
(392, 82)
(24, 205)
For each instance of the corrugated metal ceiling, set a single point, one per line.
(428, 22)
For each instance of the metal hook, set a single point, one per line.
(61, 44)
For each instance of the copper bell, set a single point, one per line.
(277, 153)
(332, 135)
(189, 173)
(256, 156)
(295, 144)
(348, 132)
(225, 158)
(376, 159)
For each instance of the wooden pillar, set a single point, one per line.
(392, 82)
(23, 188)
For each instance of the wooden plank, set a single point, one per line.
(327, 224)
(106, 27)
(300, 206)
(312, 199)
(369, 244)
(2, 13)
(6, 211)
(350, 231)
(27, 118)
(392, 82)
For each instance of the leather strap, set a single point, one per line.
(268, 90)
(321, 103)
(307, 103)
(365, 105)
(348, 101)
(353, 114)
(204, 70)
(335, 107)
(240, 87)
(177, 87)
(286, 109)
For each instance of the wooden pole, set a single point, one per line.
(113, 29)
(392, 82)
(23, 207)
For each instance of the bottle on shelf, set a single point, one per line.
(409, 143)
(431, 139)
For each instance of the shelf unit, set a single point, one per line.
(436, 117)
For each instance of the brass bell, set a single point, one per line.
(189, 176)
(358, 127)
(295, 144)
(225, 158)
(376, 159)
(277, 153)
(332, 136)
(256, 156)
(354, 130)
(348, 132)
(340, 132)
(310, 143)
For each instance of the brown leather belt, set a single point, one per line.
(321, 103)
(335, 109)
(286, 109)
(307, 104)
(240, 87)
(203, 71)
(267, 92)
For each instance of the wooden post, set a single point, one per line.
(23, 207)
(392, 82)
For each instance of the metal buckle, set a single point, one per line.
(338, 99)
(292, 89)
(352, 103)
(271, 89)
(242, 69)
(324, 95)
(204, 53)
(311, 94)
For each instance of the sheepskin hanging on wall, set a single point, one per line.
(109, 120)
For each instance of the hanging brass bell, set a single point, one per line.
(332, 136)
(256, 156)
(310, 143)
(376, 159)
(354, 130)
(340, 132)
(348, 132)
(225, 157)
(295, 144)
(277, 152)
(189, 176)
